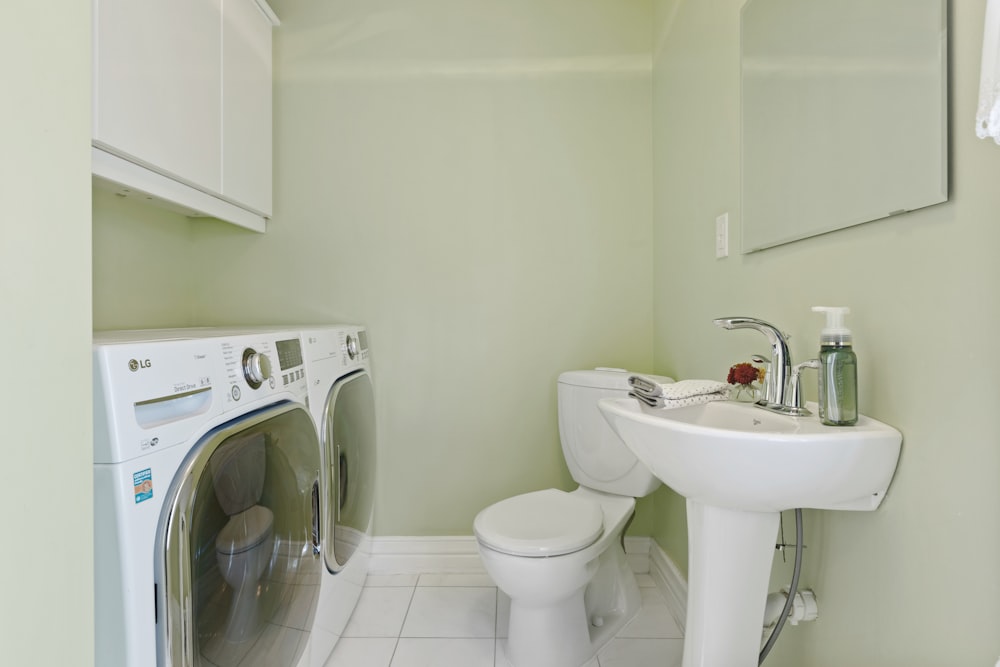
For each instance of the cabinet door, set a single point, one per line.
(246, 105)
(156, 86)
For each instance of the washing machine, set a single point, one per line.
(207, 500)
(341, 401)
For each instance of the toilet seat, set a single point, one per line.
(245, 530)
(540, 524)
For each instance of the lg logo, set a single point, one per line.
(135, 364)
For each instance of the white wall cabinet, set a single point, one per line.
(182, 104)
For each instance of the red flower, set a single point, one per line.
(743, 374)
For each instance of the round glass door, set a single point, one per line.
(239, 545)
(349, 443)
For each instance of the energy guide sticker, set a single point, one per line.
(143, 483)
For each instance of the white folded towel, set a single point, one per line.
(691, 388)
(677, 394)
(645, 385)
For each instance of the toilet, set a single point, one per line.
(243, 546)
(559, 555)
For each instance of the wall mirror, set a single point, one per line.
(844, 106)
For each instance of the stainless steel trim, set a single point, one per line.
(336, 475)
(172, 550)
(316, 542)
(185, 581)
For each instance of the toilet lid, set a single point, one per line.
(245, 530)
(541, 523)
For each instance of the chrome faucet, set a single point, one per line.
(776, 380)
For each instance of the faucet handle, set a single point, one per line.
(795, 388)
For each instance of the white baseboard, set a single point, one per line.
(637, 553)
(425, 555)
(670, 581)
(460, 555)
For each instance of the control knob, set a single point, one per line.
(256, 367)
(352, 346)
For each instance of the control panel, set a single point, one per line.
(152, 394)
(347, 343)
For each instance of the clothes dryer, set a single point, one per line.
(207, 500)
(341, 401)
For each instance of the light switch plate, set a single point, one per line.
(722, 236)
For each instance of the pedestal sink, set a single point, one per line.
(739, 466)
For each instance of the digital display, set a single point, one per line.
(289, 353)
(363, 339)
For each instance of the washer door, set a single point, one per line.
(349, 445)
(230, 577)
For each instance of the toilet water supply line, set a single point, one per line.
(792, 590)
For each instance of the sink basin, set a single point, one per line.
(739, 466)
(736, 455)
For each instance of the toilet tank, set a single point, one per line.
(595, 455)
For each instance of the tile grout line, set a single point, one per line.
(496, 627)
(399, 634)
(392, 656)
(434, 583)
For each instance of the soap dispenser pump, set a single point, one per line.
(838, 371)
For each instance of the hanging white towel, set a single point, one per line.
(988, 113)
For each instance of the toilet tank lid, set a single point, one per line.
(606, 378)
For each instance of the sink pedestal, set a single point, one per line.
(722, 455)
(729, 567)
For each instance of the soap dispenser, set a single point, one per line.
(838, 370)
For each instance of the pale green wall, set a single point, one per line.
(477, 188)
(45, 480)
(917, 582)
(145, 272)
(473, 182)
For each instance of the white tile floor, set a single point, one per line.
(461, 621)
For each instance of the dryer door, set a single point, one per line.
(349, 445)
(238, 553)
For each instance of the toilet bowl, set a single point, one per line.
(244, 545)
(559, 555)
(566, 605)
